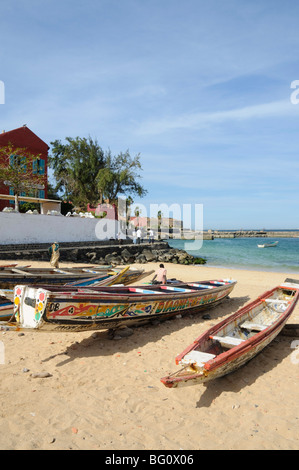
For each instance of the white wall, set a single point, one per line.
(20, 228)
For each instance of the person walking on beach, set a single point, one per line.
(138, 236)
(54, 253)
(151, 236)
(160, 275)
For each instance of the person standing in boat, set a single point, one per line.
(160, 276)
(54, 253)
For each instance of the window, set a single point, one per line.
(38, 166)
(41, 168)
(18, 162)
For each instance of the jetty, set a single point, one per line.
(212, 234)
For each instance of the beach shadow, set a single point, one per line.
(100, 343)
(263, 363)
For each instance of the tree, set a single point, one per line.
(119, 176)
(86, 174)
(20, 170)
(76, 166)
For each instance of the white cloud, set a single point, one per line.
(202, 120)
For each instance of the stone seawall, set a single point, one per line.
(212, 234)
(103, 253)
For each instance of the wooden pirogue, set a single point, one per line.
(6, 307)
(234, 341)
(75, 309)
(99, 279)
(12, 275)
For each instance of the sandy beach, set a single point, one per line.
(105, 394)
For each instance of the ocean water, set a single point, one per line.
(243, 253)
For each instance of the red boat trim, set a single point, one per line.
(247, 344)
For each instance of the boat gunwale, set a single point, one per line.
(98, 294)
(247, 344)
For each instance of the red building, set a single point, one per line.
(23, 137)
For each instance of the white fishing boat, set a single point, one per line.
(268, 245)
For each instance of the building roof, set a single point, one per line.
(23, 137)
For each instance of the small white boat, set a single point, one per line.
(268, 245)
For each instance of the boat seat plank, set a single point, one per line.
(253, 326)
(91, 271)
(220, 283)
(275, 301)
(143, 291)
(57, 270)
(228, 341)
(176, 289)
(202, 285)
(19, 271)
(197, 357)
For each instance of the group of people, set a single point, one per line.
(137, 236)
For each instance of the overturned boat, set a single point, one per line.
(70, 308)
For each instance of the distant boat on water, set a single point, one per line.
(268, 245)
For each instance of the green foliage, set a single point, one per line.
(26, 206)
(119, 176)
(76, 165)
(86, 174)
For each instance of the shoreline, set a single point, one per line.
(104, 394)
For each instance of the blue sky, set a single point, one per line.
(200, 89)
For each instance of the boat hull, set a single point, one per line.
(268, 245)
(231, 364)
(6, 309)
(242, 346)
(58, 277)
(84, 309)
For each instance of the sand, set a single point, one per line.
(106, 394)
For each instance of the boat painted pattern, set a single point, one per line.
(206, 359)
(80, 309)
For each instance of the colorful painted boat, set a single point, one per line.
(80, 276)
(225, 347)
(11, 276)
(76, 309)
(125, 276)
(6, 308)
(104, 279)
